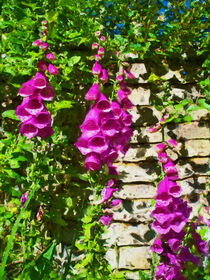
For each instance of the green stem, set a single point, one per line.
(14, 230)
(163, 134)
(74, 238)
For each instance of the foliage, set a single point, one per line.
(48, 236)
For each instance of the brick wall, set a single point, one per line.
(130, 235)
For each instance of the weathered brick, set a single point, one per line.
(194, 130)
(197, 148)
(175, 75)
(144, 172)
(144, 152)
(141, 135)
(136, 191)
(145, 115)
(139, 71)
(199, 115)
(140, 96)
(123, 234)
(133, 258)
(148, 171)
(137, 211)
(111, 257)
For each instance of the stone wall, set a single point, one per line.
(130, 235)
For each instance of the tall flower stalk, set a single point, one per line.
(106, 129)
(171, 215)
(35, 118)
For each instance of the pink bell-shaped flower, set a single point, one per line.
(22, 114)
(98, 144)
(28, 130)
(96, 70)
(93, 162)
(103, 104)
(27, 89)
(46, 93)
(95, 46)
(50, 56)
(103, 76)
(33, 105)
(42, 65)
(44, 46)
(52, 69)
(93, 93)
(42, 119)
(105, 220)
(39, 81)
(45, 132)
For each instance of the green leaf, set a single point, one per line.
(49, 253)
(203, 104)
(74, 60)
(188, 118)
(51, 16)
(58, 105)
(10, 114)
(193, 107)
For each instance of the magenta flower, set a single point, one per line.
(103, 104)
(101, 51)
(129, 75)
(106, 194)
(23, 199)
(174, 189)
(52, 69)
(157, 246)
(172, 143)
(93, 93)
(82, 145)
(22, 114)
(44, 46)
(115, 202)
(170, 170)
(27, 89)
(98, 33)
(201, 245)
(33, 105)
(98, 144)
(45, 132)
(42, 65)
(39, 81)
(96, 70)
(159, 148)
(37, 43)
(112, 169)
(185, 255)
(163, 197)
(42, 119)
(102, 39)
(119, 78)
(105, 220)
(103, 76)
(165, 272)
(50, 56)
(46, 93)
(32, 112)
(28, 130)
(92, 162)
(162, 157)
(95, 46)
(151, 129)
(98, 57)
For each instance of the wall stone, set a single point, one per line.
(133, 258)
